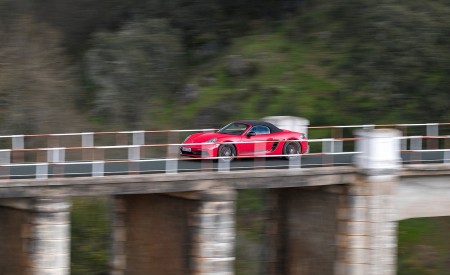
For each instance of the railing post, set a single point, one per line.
(327, 150)
(223, 165)
(98, 168)
(172, 153)
(416, 144)
(18, 144)
(432, 131)
(206, 162)
(87, 142)
(138, 137)
(42, 171)
(295, 162)
(56, 156)
(135, 152)
(5, 161)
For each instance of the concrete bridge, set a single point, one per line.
(326, 220)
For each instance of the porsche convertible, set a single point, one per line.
(245, 138)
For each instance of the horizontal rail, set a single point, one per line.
(109, 133)
(215, 129)
(106, 147)
(380, 125)
(203, 158)
(203, 143)
(95, 168)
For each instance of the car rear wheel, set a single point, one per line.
(226, 152)
(291, 149)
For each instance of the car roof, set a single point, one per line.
(273, 128)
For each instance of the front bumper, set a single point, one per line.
(209, 150)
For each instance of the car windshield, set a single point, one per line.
(234, 128)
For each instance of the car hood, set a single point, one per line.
(203, 137)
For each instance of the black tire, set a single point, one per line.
(292, 148)
(226, 152)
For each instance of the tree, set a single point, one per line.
(132, 67)
(396, 59)
(76, 20)
(37, 85)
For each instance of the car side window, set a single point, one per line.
(260, 130)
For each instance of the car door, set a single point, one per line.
(258, 141)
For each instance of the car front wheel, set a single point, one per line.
(226, 152)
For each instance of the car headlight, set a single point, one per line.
(302, 136)
(211, 140)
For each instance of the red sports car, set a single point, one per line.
(245, 138)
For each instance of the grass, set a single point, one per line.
(424, 246)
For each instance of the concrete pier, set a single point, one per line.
(213, 228)
(49, 244)
(367, 235)
(35, 236)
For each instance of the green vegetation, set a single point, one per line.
(266, 74)
(250, 225)
(424, 246)
(182, 63)
(90, 232)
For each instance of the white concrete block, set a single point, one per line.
(379, 148)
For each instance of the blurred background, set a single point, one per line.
(68, 66)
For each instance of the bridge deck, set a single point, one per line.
(194, 181)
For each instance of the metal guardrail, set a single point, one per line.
(89, 139)
(130, 152)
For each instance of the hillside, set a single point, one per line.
(261, 75)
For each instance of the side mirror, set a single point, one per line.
(251, 134)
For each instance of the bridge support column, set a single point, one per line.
(35, 237)
(50, 237)
(214, 233)
(367, 235)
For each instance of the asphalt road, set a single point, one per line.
(87, 169)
